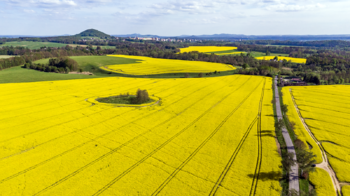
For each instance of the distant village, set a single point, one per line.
(154, 39)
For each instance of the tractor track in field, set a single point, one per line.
(46, 109)
(161, 146)
(33, 132)
(72, 120)
(121, 146)
(325, 163)
(31, 148)
(21, 92)
(237, 150)
(81, 145)
(175, 172)
(259, 158)
(230, 162)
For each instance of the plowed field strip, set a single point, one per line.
(160, 147)
(161, 187)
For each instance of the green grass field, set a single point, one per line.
(33, 45)
(5, 56)
(88, 63)
(18, 75)
(259, 54)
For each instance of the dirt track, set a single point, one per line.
(324, 165)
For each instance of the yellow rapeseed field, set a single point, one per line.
(151, 66)
(207, 49)
(206, 136)
(346, 190)
(326, 113)
(322, 182)
(292, 59)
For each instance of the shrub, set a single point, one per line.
(187, 75)
(47, 69)
(299, 144)
(200, 75)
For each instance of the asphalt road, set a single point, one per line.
(293, 175)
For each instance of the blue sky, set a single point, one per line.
(175, 17)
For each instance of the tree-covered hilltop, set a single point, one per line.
(93, 33)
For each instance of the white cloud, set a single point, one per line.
(191, 7)
(29, 11)
(48, 3)
(293, 8)
(41, 3)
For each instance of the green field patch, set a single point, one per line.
(259, 54)
(33, 45)
(18, 75)
(6, 56)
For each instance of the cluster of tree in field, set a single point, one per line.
(296, 52)
(57, 65)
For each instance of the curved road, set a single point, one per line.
(293, 175)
